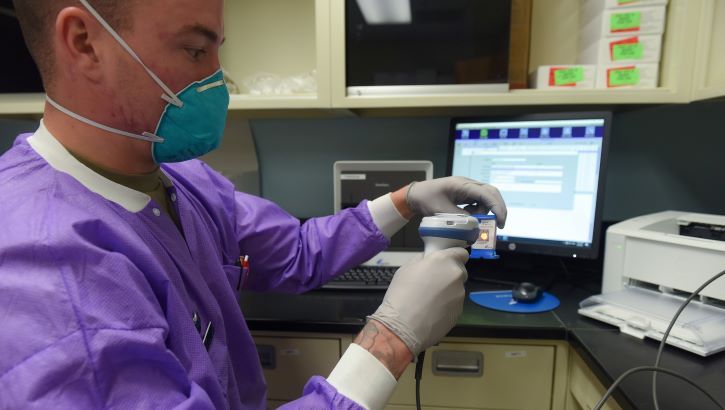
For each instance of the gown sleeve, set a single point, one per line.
(286, 256)
(319, 394)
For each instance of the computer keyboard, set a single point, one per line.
(364, 278)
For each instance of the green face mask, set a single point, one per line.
(193, 121)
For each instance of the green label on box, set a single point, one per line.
(568, 76)
(627, 51)
(628, 76)
(623, 2)
(626, 21)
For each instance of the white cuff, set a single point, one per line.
(386, 215)
(361, 377)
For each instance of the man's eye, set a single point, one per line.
(195, 53)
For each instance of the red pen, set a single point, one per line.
(244, 261)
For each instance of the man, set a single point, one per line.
(117, 276)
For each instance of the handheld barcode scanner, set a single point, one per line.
(439, 232)
(444, 231)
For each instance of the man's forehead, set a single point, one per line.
(204, 17)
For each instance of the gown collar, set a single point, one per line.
(52, 151)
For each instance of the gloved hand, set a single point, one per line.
(425, 298)
(442, 195)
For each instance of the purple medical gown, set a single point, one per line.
(96, 302)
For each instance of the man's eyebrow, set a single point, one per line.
(210, 34)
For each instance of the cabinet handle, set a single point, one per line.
(457, 363)
(267, 356)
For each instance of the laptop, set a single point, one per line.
(355, 181)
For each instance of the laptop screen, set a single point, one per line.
(356, 186)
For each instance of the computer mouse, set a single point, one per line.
(526, 292)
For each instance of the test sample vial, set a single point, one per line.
(485, 246)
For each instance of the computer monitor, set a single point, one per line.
(550, 170)
(355, 181)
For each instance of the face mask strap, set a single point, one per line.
(146, 136)
(169, 95)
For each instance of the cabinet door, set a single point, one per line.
(585, 390)
(288, 363)
(510, 377)
(709, 73)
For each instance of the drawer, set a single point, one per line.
(510, 377)
(288, 363)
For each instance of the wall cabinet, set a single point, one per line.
(289, 37)
(709, 73)
(692, 36)
(280, 37)
(554, 40)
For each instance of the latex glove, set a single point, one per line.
(425, 298)
(444, 194)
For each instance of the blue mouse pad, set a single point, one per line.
(502, 300)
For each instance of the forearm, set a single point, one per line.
(385, 346)
(377, 355)
(400, 202)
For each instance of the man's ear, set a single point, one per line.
(76, 38)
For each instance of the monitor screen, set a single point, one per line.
(550, 171)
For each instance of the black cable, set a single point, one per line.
(654, 369)
(418, 376)
(669, 328)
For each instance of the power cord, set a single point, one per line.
(656, 369)
(669, 328)
(418, 376)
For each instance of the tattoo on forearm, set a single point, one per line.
(375, 341)
(367, 336)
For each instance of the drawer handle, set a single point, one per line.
(460, 368)
(267, 356)
(457, 363)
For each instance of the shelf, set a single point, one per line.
(32, 104)
(258, 102)
(521, 97)
(22, 104)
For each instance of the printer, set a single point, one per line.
(652, 263)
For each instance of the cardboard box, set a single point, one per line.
(628, 76)
(564, 77)
(593, 8)
(618, 22)
(625, 49)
